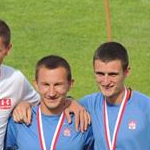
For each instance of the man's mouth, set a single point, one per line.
(52, 98)
(107, 87)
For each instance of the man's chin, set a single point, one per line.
(107, 94)
(52, 106)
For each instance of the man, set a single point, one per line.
(120, 116)
(14, 86)
(49, 128)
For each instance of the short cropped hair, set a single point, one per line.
(53, 62)
(110, 51)
(5, 32)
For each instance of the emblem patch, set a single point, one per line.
(132, 125)
(67, 132)
(5, 103)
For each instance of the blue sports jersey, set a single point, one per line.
(134, 131)
(26, 137)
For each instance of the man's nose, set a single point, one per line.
(106, 80)
(52, 91)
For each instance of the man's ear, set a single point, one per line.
(35, 85)
(8, 49)
(127, 71)
(71, 84)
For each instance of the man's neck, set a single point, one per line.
(116, 99)
(51, 111)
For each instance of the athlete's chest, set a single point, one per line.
(11, 90)
(132, 131)
(68, 138)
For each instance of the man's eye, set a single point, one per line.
(99, 73)
(45, 84)
(113, 74)
(58, 84)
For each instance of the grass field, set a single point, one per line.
(74, 29)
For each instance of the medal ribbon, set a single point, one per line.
(56, 134)
(112, 145)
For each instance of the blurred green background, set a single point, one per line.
(74, 29)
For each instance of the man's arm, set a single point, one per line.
(22, 112)
(82, 117)
(28, 97)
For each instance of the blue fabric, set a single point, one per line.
(134, 131)
(27, 138)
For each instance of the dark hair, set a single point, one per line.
(110, 51)
(5, 32)
(53, 62)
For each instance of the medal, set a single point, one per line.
(112, 144)
(56, 134)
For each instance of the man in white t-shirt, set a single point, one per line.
(14, 87)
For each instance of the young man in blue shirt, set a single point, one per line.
(120, 116)
(49, 128)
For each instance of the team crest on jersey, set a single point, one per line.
(5, 103)
(132, 125)
(67, 132)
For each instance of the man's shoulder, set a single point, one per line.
(8, 71)
(92, 97)
(12, 123)
(7, 68)
(140, 95)
(19, 125)
(92, 100)
(141, 100)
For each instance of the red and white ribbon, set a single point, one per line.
(112, 144)
(56, 134)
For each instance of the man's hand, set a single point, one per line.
(22, 112)
(82, 117)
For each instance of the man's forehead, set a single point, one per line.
(99, 62)
(111, 66)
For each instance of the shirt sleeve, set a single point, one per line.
(88, 135)
(10, 137)
(28, 92)
(89, 139)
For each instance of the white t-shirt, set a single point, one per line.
(14, 87)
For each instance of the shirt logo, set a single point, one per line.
(67, 132)
(5, 103)
(132, 125)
